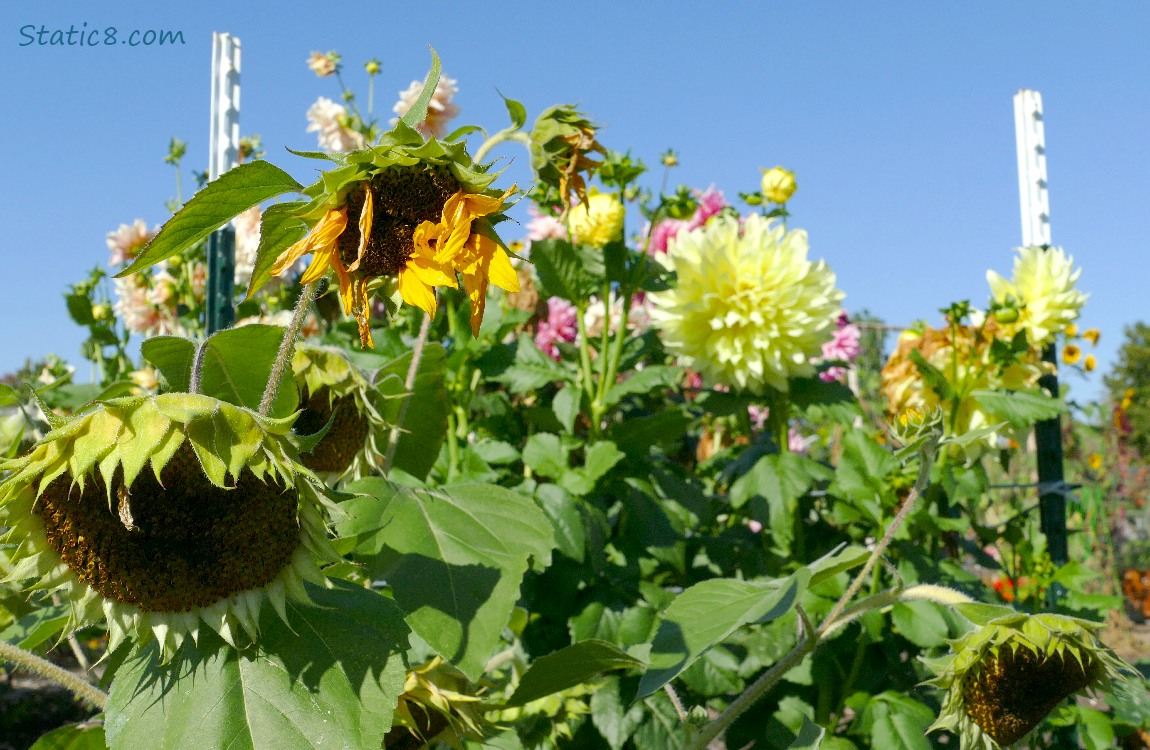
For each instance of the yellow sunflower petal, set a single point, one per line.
(500, 272)
(322, 237)
(415, 291)
(365, 217)
(476, 286)
(320, 261)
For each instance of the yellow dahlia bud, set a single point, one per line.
(163, 513)
(778, 184)
(100, 312)
(597, 221)
(1004, 678)
(372, 67)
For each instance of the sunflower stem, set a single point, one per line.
(29, 661)
(287, 347)
(197, 367)
(409, 388)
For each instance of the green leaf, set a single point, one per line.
(8, 395)
(568, 667)
(173, 357)
(709, 612)
(780, 479)
(418, 110)
(921, 623)
(516, 111)
(863, 468)
(1020, 408)
(566, 406)
(225, 197)
(86, 736)
(545, 455)
(981, 614)
(330, 679)
(644, 381)
(37, 626)
(835, 399)
(661, 728)
(600, 458)
(1095, 729)
(567, 521)
(425, 423)
(237, 364)
(532, 369)
(810, 736)
(454, 558)
(80, 308)
(932, 376)
(637, 435)
(612, 716)
(836, 561)
(897, 721)
(572, 272)
(280, 228)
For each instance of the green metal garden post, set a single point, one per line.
(1034, 196)
(223, 147)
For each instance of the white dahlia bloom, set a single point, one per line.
(1043, 289)
(748, 310)
(330, 121)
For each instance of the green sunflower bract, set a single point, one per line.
(163, 513)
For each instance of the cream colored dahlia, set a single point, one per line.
(1043, 288)
(748, 310)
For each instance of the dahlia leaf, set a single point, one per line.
(418, 111)
(531, 369)
(172, 356)
(1021, 408)
(280, 228)
(838, 560)
(454, 557)
(563, 512)
(572, 272)
(810, 736)
(897, 721)
(636, 436)
(612, 716)
(644, 381)
(222, 199)
(570, 666)
(330, 678)
(86, 736)
(546, 455)
(661, 729)
(708, 613)
(566, 405)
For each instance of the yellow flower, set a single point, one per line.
(1094, 461)
(1092, 335)
(1089, 363)
(748, 308)
(1043, 287)
(598, 221)
(778, 184)
(1071, 331)
(1071, 354)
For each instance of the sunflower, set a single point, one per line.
(165, 513)
(417, 212)
(333, 389)
(1004, 678)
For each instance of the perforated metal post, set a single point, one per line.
(224, 150)
(1034, 196)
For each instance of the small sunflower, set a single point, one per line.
(333, 389)
(164, 513)
(438, 702)
(413, 211)
(1003, 679)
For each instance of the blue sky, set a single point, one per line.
(896, 116)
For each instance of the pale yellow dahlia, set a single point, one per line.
(598, 221)
(1043, 287)
(748, 309)
(165, 513)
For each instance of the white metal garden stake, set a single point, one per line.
(1034, 198)
(224, 151)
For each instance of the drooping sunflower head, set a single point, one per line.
(438, 701)
(333, 389)
(163, 514)
(1004, 678)
(748, 309)
(419, 213)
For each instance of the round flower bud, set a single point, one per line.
(778, 184)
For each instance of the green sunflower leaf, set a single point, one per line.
(86, 736)
(424, 427)
(173, 357)
(708, 613)
(572, 272)
(418, 110)
(328, 679)
(225, 197)
(238, 363)
(568, 667)
(454, 558)
(280, 228)
(1021, 408)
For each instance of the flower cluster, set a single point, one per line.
(1040, 297)
(710, 203)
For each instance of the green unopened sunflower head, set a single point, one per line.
(334, 389)
(164, 514)
(1003, 679)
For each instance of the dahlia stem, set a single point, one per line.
(287, 347)
(409, 387)
(29, 661)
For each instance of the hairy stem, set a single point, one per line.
(287, 347)
(83, 690)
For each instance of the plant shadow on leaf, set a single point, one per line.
(331, 677)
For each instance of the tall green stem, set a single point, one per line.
(287, 347)
(82, 689)
(409, 390)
